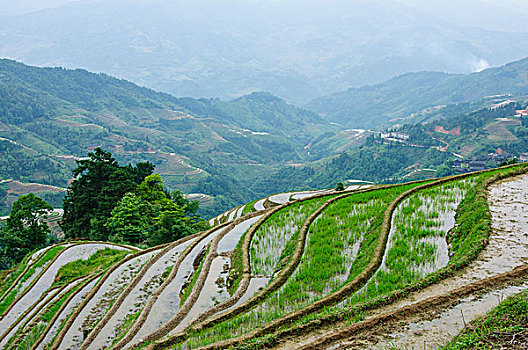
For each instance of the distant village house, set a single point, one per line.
(521, 113)
(394, 136)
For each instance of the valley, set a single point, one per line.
(264, 174)
(267, 275)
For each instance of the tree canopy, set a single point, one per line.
(100, 183)
(25, 230)
(152, 215)
(125, 204)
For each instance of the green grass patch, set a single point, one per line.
(187, 291)
(506, 326)
(50, 255)
(98, 261)
(235, 272)
(249, 208)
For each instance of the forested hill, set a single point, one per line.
(490, 135)
(49, 116)
(371, 106)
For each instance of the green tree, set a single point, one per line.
(100, 183)
(130, 220)
(151, 215)
(340, 186)
(24, 230)
(170, 226)
(173, 216)
(153, 191)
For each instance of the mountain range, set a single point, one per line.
(296, 50)
(375, 105)
(259, 143)
(51, 116)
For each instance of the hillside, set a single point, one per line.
(429, 150)
(375, 105)
(325, 269)
(51, 116)
(298, 50)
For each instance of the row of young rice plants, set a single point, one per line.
(30, 273)
(339, 246)
(97, 262)
(417, 244)
(466, 240)
(25, 338)
(273, 243)
(271, 239)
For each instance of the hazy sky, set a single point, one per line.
(13, 7)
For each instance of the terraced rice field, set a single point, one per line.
(313, 270)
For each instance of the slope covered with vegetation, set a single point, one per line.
(51, 116)
(323, 264)
(372, 106)
(430, 150)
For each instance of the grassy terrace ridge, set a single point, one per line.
(318, 242)
(47, 257)
(467, 240)
(98, 261)
(505, 326)
(250, 207)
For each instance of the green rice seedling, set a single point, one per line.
(340, 243)
(270, 243)
(466, 240)
(417, 242)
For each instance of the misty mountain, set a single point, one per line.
(51, 116)
(373, 106)
(226, 49)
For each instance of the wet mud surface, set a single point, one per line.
(138, 297)
(168, 303)
(76, 300)
(507, 249)
(99, 304)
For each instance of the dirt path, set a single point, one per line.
(507, 249)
